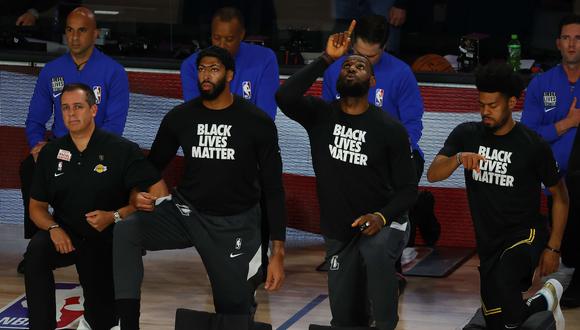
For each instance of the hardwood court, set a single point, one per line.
(177, 278)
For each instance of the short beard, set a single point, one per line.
(355, 89)
(493, 129)
(215, 92)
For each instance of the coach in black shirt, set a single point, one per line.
(365, 180)
(86, 177)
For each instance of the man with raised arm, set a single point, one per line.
(366, 182)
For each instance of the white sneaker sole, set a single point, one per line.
(555, 289)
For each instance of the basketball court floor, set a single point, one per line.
(177, 279)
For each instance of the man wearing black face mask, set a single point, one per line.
(366, 182)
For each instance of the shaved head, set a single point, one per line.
(81, 33)
(84, 12)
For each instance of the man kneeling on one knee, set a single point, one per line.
(86, 177)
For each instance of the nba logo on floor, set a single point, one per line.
(69, 309)
(379, 94)
(247, 89)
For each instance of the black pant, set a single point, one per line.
(419, 163)
(26, 172)
(505, 276)
(230, 248)
(571, 238)
(361, 280)
(93, 261)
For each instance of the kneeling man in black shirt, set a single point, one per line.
(505, 164)
(86, 177)
(366, 182)
(231, 158)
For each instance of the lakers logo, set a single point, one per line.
(100, 168)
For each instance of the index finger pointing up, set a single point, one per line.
(351, 28)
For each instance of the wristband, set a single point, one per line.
(51, 227)
(458, 158)
(549, 248)
(382, 217)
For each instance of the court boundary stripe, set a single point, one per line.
(310, 306)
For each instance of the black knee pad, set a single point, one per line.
(187, 319)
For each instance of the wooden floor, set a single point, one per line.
(176, 279)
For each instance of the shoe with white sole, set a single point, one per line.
(552, 291)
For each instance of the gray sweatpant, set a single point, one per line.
(230, 248)
(362, 284)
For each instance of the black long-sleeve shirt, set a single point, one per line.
(231, 156)
(362, 162)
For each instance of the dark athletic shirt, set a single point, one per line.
(504, 197)
(231, 155)
(99, 178)
(362, 162)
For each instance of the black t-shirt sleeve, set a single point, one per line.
(139, 172)
(165, 144)
(403, 176)
(546, 166)
(454, 142)
(270, 167)
(39, 188)
(291, 100)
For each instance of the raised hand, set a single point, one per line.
(339, 43)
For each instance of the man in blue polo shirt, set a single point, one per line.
(552, 110)
(396, 91)
(256, 78)
(85, 64)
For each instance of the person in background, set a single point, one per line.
(256, 76)
(394, 11)
(551, 109)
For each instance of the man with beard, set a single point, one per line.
(396, 90)
(505, 164)
(551, 110)
(365, 180)
(231, 155)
